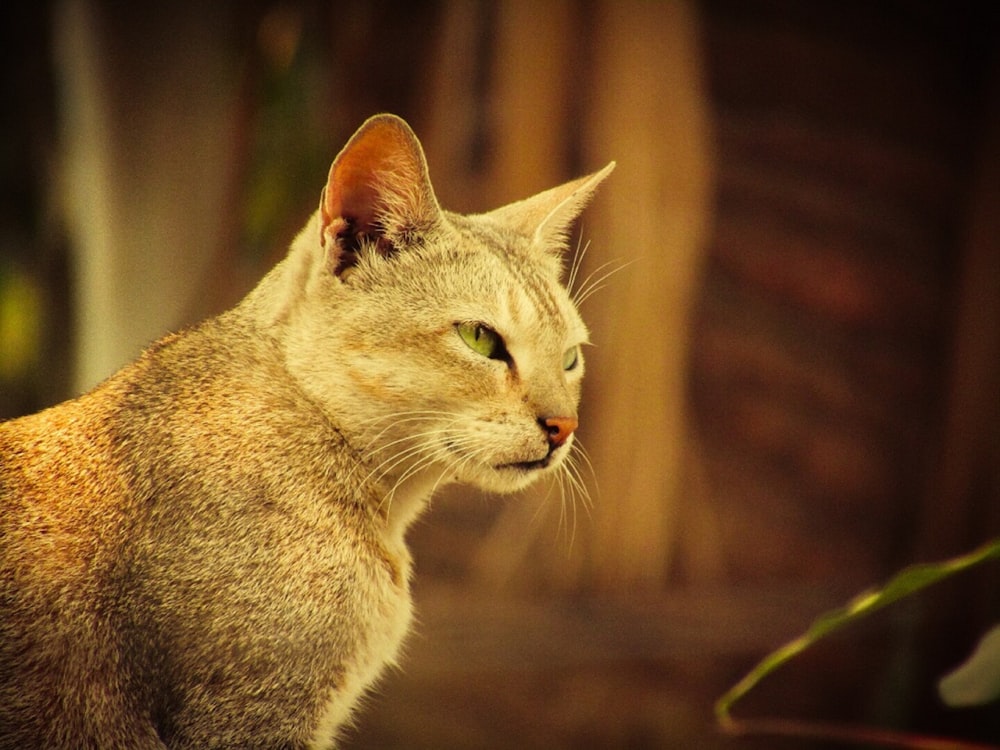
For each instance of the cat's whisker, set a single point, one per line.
(571, 501)
(544, 504)
(387, 498)
(574, 476)
(431, 453)
(385, 467)
(417, 436)
(577, 264)
(424, 455)
(415, 414)
(400, 418)
(595, 281)
(405, 418)
(399, 414)
(563, 515)
(575, 491)
(459, 462)
(425, 447)
(454, 467)
(576, 291)
(576, 498)
(580, 449)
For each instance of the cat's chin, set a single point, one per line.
(513, 477)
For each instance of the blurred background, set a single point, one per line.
(795, 388)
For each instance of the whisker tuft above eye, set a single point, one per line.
(596, 280)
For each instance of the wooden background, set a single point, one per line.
(795, 389)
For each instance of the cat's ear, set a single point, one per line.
(548, 216)
(378, 194)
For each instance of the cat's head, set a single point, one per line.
(444, 346)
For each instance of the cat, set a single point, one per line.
(207, 550)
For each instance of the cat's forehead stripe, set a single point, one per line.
(530, 285)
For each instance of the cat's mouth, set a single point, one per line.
(535, 465)
(526, 466)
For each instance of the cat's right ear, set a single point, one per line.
(547, 216)
(378, 196)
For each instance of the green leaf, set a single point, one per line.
(907, 582)
(977, 680)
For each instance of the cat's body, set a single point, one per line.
(208, 549)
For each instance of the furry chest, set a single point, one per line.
(387, 623)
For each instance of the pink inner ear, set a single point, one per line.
(367, 166)
(378, 193)
(350, 196)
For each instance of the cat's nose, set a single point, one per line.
(559, 429)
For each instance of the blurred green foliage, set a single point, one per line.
(21, 326)
(289, 140)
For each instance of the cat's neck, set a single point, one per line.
(403, 504)
(271, 310)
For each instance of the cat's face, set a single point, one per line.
(443, 346)
(450, 359)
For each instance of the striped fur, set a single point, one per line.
(208, 549)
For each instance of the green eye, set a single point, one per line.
(482, 340)
(571, 358)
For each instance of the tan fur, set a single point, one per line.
(208, 549)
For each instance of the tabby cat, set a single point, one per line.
(207, 550)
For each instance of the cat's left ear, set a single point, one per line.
(547, 216)
(378, 194)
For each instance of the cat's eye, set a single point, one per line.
(571, 359)
(482, 340)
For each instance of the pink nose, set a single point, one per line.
(559, 429)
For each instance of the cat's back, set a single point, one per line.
(196, 501)
(75, 499)
(66, 472)
(57, 475)
(194, 424)
(62, 501)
